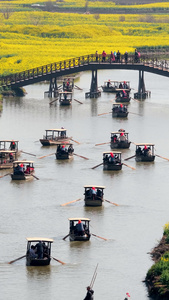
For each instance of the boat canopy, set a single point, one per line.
(114, 152)
(119, 132)
(57, 130)
(77, 219)
(8, 151)
(96, 186)
(23, 161)
(8, 141)
(37, 239)
(144, 144)
(117, 81)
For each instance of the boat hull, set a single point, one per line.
(120, 145)
(77, 238)
(21, 176)
(111, 167)
(37, 262)
(93, 202)
(6, 166)
(46, 142)
(139, 158)
(123, 99)
(65, 102)
(119, 114)
(65, 155)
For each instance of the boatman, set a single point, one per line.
(80, 228)
(127, 296)
(89, 295)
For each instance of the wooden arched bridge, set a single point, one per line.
(50, 72)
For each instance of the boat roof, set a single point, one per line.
(23, 162)
(8, 151)
(65, 92)
(37, 239)
(77, 219)
(115, 132)
(8, 141)
(144, 144)
(114, 152)
(61, 129)
(96, 186)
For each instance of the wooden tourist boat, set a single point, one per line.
(53, 136)
(111, 86)
(93, 195)
(119, 111)
(120, 140)
(64, 151)
(112, 161)
(144, 152)
(22, 170)
(123, 97)
(38, 251)
(75, 232)
(68, 84)
(65, 98)
(10, 145)
(6, 159)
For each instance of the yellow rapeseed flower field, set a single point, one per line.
(29, 39)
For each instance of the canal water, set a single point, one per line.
(30, 209)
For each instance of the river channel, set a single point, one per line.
(34, 208)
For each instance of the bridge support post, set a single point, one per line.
(142, 93)
(53, 89)
(94, 92)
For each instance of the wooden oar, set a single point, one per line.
(80, 156)
(46, 155)
(5, 175)
(66, 236)
(129, 166)
(12, 261)
(99, 237)
(130, 157)
(75, 141)
(135, 99)
(78, 87)
(102, 144)
(61, 262)
(28, 153)
(94, 277)
(34, 176)
(105, 113)
(78, 101)
(53, 101)
(162, 157)
(133, 143)
(96, 166)
(71, 202)
(111, 202)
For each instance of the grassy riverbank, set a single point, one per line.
(157, 278)
(31, 37)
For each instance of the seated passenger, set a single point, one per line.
(149, 152)
(12, 146)
(114, 138)
(120, 108)
(145, 150)
(120, 86)
(106, 158)
(27, 171)
(93, 192)
(122, 137)
(11, 157)
(139, 151)
(99, 193)
(70, 149)
(32, 253)
(80, 228)
(112, 158)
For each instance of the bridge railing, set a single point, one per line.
(74, 63)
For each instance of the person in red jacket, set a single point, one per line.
(103, 56)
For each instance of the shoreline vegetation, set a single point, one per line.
(157, 278)
(33, 34)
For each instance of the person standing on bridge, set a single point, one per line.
(112, 57)
(97, 56)
(136, 56)
(126, 57)
(104, 56)
(118, 56)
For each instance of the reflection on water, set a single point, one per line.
(35, 273)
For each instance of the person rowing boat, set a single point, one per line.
(89, 295)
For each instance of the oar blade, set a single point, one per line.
(61, 262)
(112, 202)
(100, 237)
(46, 155)
(12, 261)
(129, 166)
(70, 202)
(96, 166)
